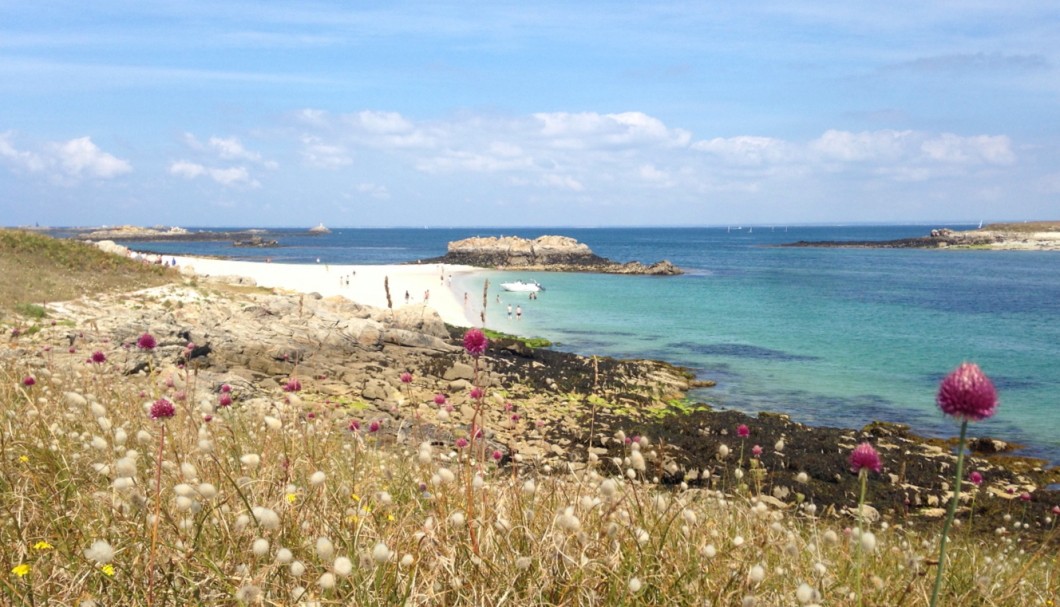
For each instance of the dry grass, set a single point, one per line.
(283, 505)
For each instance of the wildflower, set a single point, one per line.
(967, 393)
(225, 388)
(162, 409)
(292, 385)
(28, 381)
(461, 443)
(354, 425)
(757, 574)
(24, 459)
(976, 478)
(634, 585)
(146, 342)
(477, 393)
(343, 566)
(439, 399)
(475, 342)
(406, 378)
(100, 551)
(756, 450)
(317, 478)
(380, 553)
(497, 455)
(224, 400)
(291, 498)
(20, 570)
(42, 545)
(98, 357)
(1025, 497)
(108, 570)
(865, 457)
(374, 426)
(743, 431)
(802, 477)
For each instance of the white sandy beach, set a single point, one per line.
(363, 284)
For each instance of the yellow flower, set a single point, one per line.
(355, 497)
(42, 545)
(107, 570)
(353, 518)
(390, 517)
(24, 459)
(21, 570)
(291, 498)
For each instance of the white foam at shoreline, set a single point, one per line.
(366, 282)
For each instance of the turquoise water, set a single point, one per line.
(835, 337)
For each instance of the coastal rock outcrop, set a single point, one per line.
(1030, 236)
(544, 253)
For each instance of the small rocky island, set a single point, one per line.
(544, 253)
(1028, 236)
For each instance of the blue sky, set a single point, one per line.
(200, 113)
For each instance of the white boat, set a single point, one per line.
(520, 286)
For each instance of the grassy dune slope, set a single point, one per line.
(37, 269)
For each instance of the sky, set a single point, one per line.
(366, 114)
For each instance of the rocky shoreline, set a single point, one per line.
(546, 409)
(1037, 236)
(542, 254)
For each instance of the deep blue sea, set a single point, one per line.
(837, 337)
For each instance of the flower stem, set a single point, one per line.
(864, 477)
(158, 513)
(950, 515)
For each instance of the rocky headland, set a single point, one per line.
(547, 410)
(545, 253)
(1030, 236)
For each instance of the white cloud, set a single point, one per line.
(590, 130)
(228, 177)
(82, 157)
(374, 190)
(562, 182)
(29, 161)
(845, 146)
(747, 149)
(324, 155)
(983, 149)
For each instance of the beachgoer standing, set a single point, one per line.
(509, 311)
(518, 313)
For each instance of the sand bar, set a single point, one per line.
(363, 284)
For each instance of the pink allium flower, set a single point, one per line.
(475, 342)
(516, 417)
(146, 342)
(207, 418)
(99, 357)
(292, 385)
(1056, 510)
(28, 381)
(497, 455)
(976, 478)
(16, 332)
(71, 350)
(477, 393)
(756, 450)
(743, 431)
(374, 426)
(354, 425)
(1025, 497)
(225, 388)
(224, 400)
(439, 399)
(162, 409)
(406, 378)
(461, 443)
(967, 393)
(865, 456)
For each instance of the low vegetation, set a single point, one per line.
(38, 269)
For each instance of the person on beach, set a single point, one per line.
(509, 311)
(406, 297)
(518, 313)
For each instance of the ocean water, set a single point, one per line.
(837, 337)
